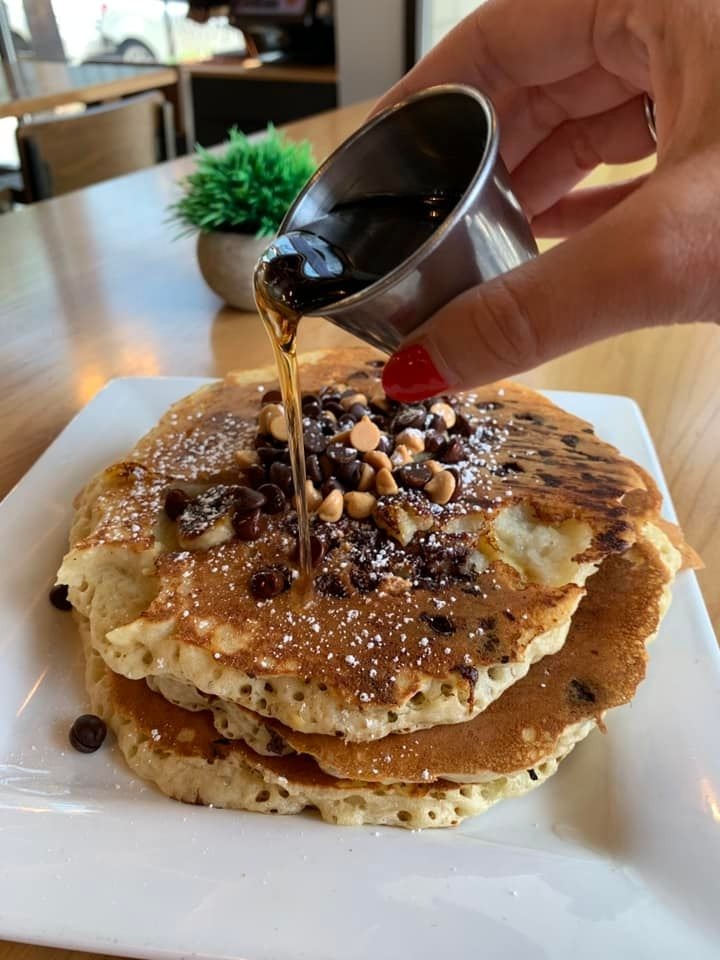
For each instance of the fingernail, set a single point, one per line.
(411, 375)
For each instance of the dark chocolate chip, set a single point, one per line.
(454, 452)
(462, 426)
(570, 440)
(275, 500)
(530, 418)
(313, 471)
(363, 579)
(266, 584)
(330, 585)
(58, 597)
(328, 426)
(281, 475)
(407, 418)
(349, 473)
(359, 410)
(435, 442)
(175, 502)
(269, 455)
(385, 444)
(414, 476)
(330, 485)
(580, 692)
(248, 500)
(318, 549)
(341, 453)
(439, 623)
(313, 438)
(275, 744)
(271, 396)
(247, 525)
(435, 423)
(346, 422)
(532, 774)
(333, 406)
(87, 733)
(255, 476)
(467, 673)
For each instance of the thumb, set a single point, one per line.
(624, 271)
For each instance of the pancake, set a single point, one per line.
(425, 611)
(511, 748)
(559, 701)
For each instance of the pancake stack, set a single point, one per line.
(488, 574)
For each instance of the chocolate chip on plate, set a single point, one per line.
(414, 476)
(58, 597)
(88, 733)
(266, 584)
(274, 498)
(247, 525)
(248, 500)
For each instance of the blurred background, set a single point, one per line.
(231, 64)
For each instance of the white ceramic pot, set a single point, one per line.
(227, 262)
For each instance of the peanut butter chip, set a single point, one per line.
(445, 411)
(433, 465)
(267, 414)
(351, 400)
(359, 505)
(441, 488)
(331, 509)
(412, 438)
(312, 496)
(385, 483)
(377, 460)
(401, 455)
(246, 458)
(279, 428)
(365, 435)
(367, 478)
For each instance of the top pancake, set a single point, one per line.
(424, 613)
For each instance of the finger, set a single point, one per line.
(576, 148)
(504, 45)
(527, 116)
(582, 207)
(590, 287)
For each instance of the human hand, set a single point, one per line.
(567, 78)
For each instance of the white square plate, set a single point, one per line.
(617, 856)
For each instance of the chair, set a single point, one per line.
(63, 153)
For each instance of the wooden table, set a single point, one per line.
(93, 286)
(44, 85)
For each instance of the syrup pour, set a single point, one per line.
(306, 270)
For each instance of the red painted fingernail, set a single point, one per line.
(411, 375)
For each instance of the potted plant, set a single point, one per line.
(236, 200)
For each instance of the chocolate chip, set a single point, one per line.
(275, 501)
(462, 426)
(269, 455)
(532, 774)
(247, 525)
(580, 692)
(440, 624)
(349, 473)
(58, 597)
(175, 502)
(328, 426)
(408, 418)
(346, 422)
(414, 476)
(458, 484)
(281, 475)
(454, 452)
(271, 396)
(385, 444)
(530, 418)
(313, 471)
(313, 438)
(330, 585)
(570, 440)
(330, 485)
(87, 733)
(341, 453)
(511, 466)
(255, 476)
(266, 584)
(248, 500)
(358, 411)
(435, 423)
(435, 442)
(311, 406)
(333, 406)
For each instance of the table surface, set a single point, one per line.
(249, 68)
(94, 285)
(44, 84)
